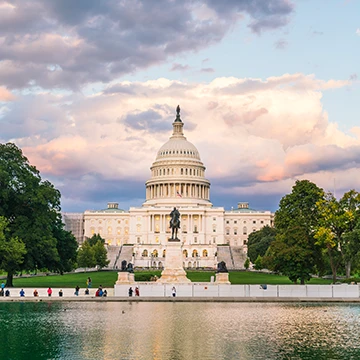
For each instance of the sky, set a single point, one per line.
(269, 94)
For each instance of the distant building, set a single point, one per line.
(208, 234)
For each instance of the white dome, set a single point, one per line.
(178, 147)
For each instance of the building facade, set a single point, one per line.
(207, 233)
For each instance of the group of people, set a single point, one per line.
(4, 292)
(131, 291)
(101, 292)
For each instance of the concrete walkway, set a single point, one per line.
(69, 296)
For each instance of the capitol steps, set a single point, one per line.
(112, 254)
(224, 254)
(126, 254)
(238, 257)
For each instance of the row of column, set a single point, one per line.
(178, 190)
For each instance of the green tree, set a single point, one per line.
(337, 230)
(259, 241)
(247, 263)
(12, 251)
(258, 264)
(86, 256)
(67, 247)
(295, 252)
(94, 239)
(32, 207)
(100, 254)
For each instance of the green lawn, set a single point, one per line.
(108, 279)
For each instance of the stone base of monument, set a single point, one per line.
(173, 270)
(222, 278)
(125, 277)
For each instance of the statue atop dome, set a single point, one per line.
(178, 114)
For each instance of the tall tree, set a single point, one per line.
(100, 254)
(97, 245)
(337, 230)
(12, 251)
(32, 207)
(295, 223)
(86, 256)
(259, 241)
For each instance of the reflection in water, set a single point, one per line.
(178, 331)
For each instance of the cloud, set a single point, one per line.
(69, 44)
(281, 44)
(255, 136)
(179, 67)
(207, 70)
(357, 31)
(6, 95)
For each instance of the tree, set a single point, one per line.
(247, 263)
(258, 264)
(295, 252)
(96, 246)
(259, 241)
(32, 208)
(94, 239)
(12, 251)
(67, 248)
(337, 230)
(100, 254)
(86, 256)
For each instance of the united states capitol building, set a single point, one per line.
(207, 234)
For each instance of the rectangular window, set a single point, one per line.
(235, 222)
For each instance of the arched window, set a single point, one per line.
(185, 253)
(205, 253)
(155, 253)
(164, 252)
(195, 253)
(182, 172)
(145, 253)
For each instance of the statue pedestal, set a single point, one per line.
(222, 278)
(173, 270)
(125, 277)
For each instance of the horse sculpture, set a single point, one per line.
(174, 223)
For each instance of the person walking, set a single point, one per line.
(22, 293)
(49, 291)
(77, 288)
(131, 291)
(137, 291)
(173, 291)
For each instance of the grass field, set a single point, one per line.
(108, 279)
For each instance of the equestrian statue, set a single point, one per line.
(174, 223)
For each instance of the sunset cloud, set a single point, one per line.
(257, 131)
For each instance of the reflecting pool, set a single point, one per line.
(163, 331)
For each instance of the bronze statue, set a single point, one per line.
(221, 267)
(123, 265)
(174, 223)
(178, 110)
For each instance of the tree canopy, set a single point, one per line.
(259, 241)
(93, 253)
(32, 209)
(295, 252)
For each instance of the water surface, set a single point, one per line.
(178, 331)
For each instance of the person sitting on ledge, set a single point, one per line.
(35, 293)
